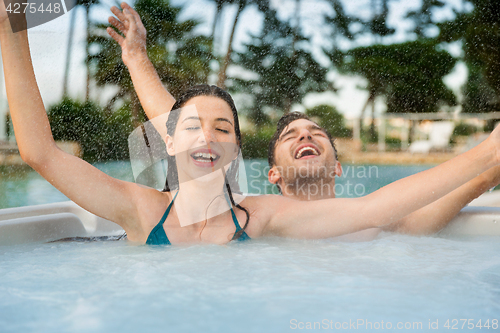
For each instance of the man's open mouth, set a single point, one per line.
(305, 151)
(205, 157)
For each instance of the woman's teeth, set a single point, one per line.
(205, 157)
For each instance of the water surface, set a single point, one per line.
(257, 286)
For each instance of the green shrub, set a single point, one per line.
(119, 127)
(101, 138)
(463, 129)
(256, 145)
(369, 135)
(392, 143)
(331, 120)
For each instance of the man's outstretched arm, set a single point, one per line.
(388, 205)
(435, 216)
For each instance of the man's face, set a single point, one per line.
(303, 154)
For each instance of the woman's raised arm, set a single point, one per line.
(334, 217)
(81, 182)
(154, 98)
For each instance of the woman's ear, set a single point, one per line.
(169, 142)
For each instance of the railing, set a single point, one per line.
(8, 148)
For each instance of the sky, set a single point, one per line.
(49, 44)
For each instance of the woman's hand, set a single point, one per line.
(155, 99)
(3, 13)
(10, 20)
(130, 25)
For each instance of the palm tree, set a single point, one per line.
(285, 69)
(86, 4)
(409, 75)
(225, 63)
(423, 16)
(479, 32)
(219, 4)
(68, 53)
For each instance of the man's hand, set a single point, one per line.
(495, 139)
(130, 25)
(491, 177)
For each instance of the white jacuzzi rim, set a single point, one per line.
(47, 222)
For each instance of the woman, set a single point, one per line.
(202, 165)
(139, 209)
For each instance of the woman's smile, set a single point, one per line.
(205, 157)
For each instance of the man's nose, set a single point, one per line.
(305, 135)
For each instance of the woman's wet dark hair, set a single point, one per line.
(232, 173)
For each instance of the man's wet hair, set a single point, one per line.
(283, 123)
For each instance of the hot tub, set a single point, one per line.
(265, 285)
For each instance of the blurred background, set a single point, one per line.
(350, 64)
(396, 81)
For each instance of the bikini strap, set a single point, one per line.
(235, 220)
(164, 217)
(158, 235)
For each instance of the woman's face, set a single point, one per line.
(204, 139)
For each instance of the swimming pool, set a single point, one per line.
(269, 285)
(25, 187)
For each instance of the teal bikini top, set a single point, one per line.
(159, 237)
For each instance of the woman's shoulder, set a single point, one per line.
(150, 207)
(145, 196)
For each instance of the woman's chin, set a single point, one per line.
(202, 172)
(205, 175)
(211, 177)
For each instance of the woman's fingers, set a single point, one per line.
(129, 16)
(129, 24)
(122, 19)
(132, 24)
(117, 24)
(126, 5)
(132, 10)
(116, 36)
(118, 13)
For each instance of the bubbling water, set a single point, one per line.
(111, 286)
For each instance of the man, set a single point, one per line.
(308, 171)
(301, 153)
